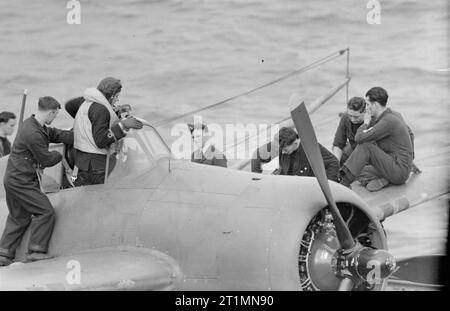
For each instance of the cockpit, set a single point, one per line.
(135, 154)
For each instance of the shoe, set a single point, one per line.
(345, 182)
(5, 261)
(377, 184)
(35, 256)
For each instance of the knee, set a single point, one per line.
(366, 145)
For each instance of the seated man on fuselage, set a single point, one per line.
(291, 156)
(344, 139)
(383, 143)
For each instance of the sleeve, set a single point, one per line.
(257, 160)
(331, 164)
(38, 146)
(340, 138)
(103, 135)
(73, 105)
(60, 136)
(378, 131)
(411, 136)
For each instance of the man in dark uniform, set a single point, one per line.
(344, 139)
(384, 143)
(24, 197)
(204, 151)
(7, 125)
(292, 157)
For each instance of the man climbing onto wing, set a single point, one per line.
(292, 158)
(24, 197)
(383, 143)
(97, 128)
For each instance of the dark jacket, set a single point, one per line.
(30, 150)
(391, 134)
(211, 157)
(345, 132)
(296, 163)
(5, 146)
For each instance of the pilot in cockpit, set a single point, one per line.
(205, 151)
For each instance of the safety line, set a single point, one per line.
(314, 64)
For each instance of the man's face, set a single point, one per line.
(200, 137)
(371, 106)
(115, 99)
(291, 148)
(51, 116)
(355, 116)
(8, 127)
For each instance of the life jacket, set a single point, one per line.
(83, 138)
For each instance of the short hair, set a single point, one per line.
(378, 94)
(5, 116)
(48, 103)
(109, 87)
(191, 127)
(356, 104)
(286, 136)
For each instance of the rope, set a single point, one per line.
(314, 64)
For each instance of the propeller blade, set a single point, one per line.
(308, 140)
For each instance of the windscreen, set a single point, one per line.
(138, 152)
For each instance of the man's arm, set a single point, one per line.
(102, 133)
(340, 138)
(331, 164)
(380, 130)
(60, 136)
(38, 146)
(337, 152)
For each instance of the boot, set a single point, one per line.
(35, 256)
(377, 184)
(5, 261)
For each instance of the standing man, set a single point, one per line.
(7, 125)
(24, 197)
(292, 157)
(344, 139)
(384, 143)
(96, 130)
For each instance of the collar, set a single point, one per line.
(388, 110)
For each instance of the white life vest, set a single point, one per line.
(83, 138)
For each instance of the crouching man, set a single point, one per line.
(24, 197)
(292, 157)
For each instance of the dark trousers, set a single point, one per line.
(346, 153)
(26, 200)
(385, 164)
(89, 178)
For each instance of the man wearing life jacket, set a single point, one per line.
(96, 130)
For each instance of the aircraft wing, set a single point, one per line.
(430, 184)
(99, 269)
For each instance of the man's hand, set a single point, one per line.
(367, 116)
(131, 123)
